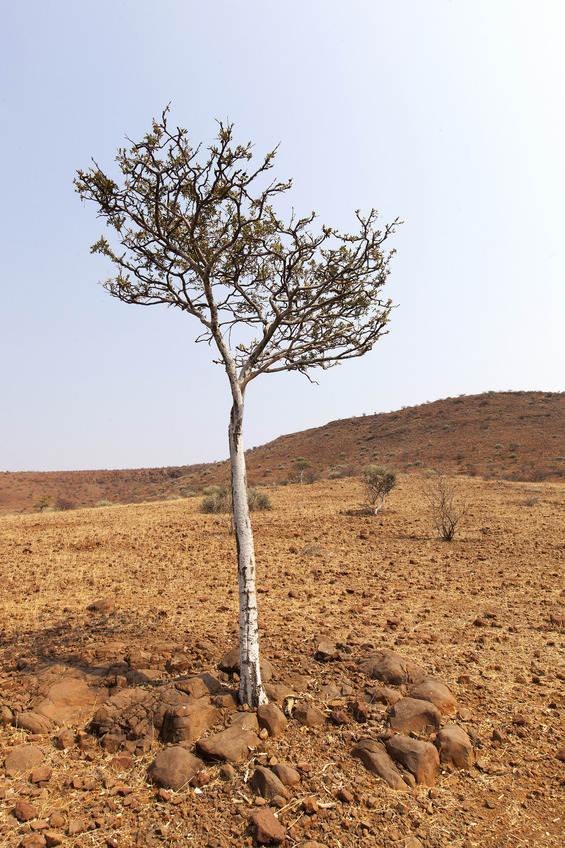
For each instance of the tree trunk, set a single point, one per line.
(250, 686)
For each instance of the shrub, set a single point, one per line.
(64, 503)
(446, 512)
(378, 482)
(221, 501)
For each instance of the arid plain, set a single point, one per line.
(485, 614)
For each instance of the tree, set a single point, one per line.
(196, 230)
(445, 507)
(42, 502)
(378, 483)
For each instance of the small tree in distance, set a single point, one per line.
(196, 230)
(446, 508)
(378, 482)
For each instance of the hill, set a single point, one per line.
(508, 435)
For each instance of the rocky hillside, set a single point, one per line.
(510, 435)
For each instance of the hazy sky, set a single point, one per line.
(449, 115)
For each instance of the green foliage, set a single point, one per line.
(220, 501)
(42, 502)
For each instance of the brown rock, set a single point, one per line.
(33, 722)
(102, 605)
(76, 826)
(24, 811)
(23, 758)
(338, 717)
(173, 767)
(360, 711)
(6, 716)
(411, 715)
(437, 692)
(34, 840)
(188, 722)
(56, 819)
(326, 651)
(560, 755)
(267, 783)
(345, 796)
(391, 668)
(287, 775)
(455, 748)
(272, 719)
(68, 701)
(231, 745)
(65, 739)
(384, 695)
(53, 839)
(277, 692)
(309, 716)
(375, 758)
(420, 758)
(41, 774)
(267, 829)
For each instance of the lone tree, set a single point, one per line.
(196, 230)
(378, 483)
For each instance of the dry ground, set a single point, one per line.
(364, 582)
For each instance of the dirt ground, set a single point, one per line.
(484, 613)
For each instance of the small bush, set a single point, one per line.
(103, 503)
(378, 482)
(64, 503)
(221, 501)
(446, 511)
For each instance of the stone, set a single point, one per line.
(431, 689)
(76, 826)
(392, 669)
(277, 692)
(69, 701)
(6, 716)
(53, 839)
(33, 722)
(33, 840)
(411, 715)
(266, 782)
(230, 745)
(41, 774)
(360, 711)
(326, 651)
(56, 819)
(454, 747)
(420, 758)
(230, 665)
(338, 717)
(65, 739)
(375, 758)
(384, 695)
(287, 775)
(24, 811)
(173, 767)
(21, 759)
(188, 722)
(345, 796)
(102, 605)
(560, 755)
(267, 829)
(309, 716)
(272, 719)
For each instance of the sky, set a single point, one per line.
(448, 114)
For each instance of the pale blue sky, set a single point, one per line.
(449, 115)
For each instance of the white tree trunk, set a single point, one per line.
(250, 686)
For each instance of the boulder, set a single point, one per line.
(455, 748)
(287, 775)
(375, 758)
(272, 719)
(420, 758)
(69, 701)
(188, 722)
(230, 745)
(431, 689)
(21, 759)
(230, 664)
(309, 716)
(173, 768)
(410, 715)
(34, 722)
(267, 829)
(392, 669)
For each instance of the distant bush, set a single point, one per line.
(445, 507)
(221, 501)
(103, 503)
(64, 503)
(378, 482)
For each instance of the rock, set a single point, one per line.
(200, 685)
(267, 783)
(24, 811)
(247, 721)
(455, 748)
(53, 839)
(345, 796)
(411, 715)
(384, 695)
(33, 722)
(33, 840)
(231, 745)
(230, 664)
(277, 692)
(188, 722)
(56, 819)
(41, 774)
(272, 718)
(420, 758)
(391, 668)
(6, 716)
(360, 711)
(227, 772)
(560, 755)
(287, 775)
(338, 717)
(309, 716)
(173, 767)
(65, 739)
(375, 758)
(69, 701)
(76, 826)
(23, 758)
(102, 605)
(267, 829)
(431, 689)
(326, 651)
